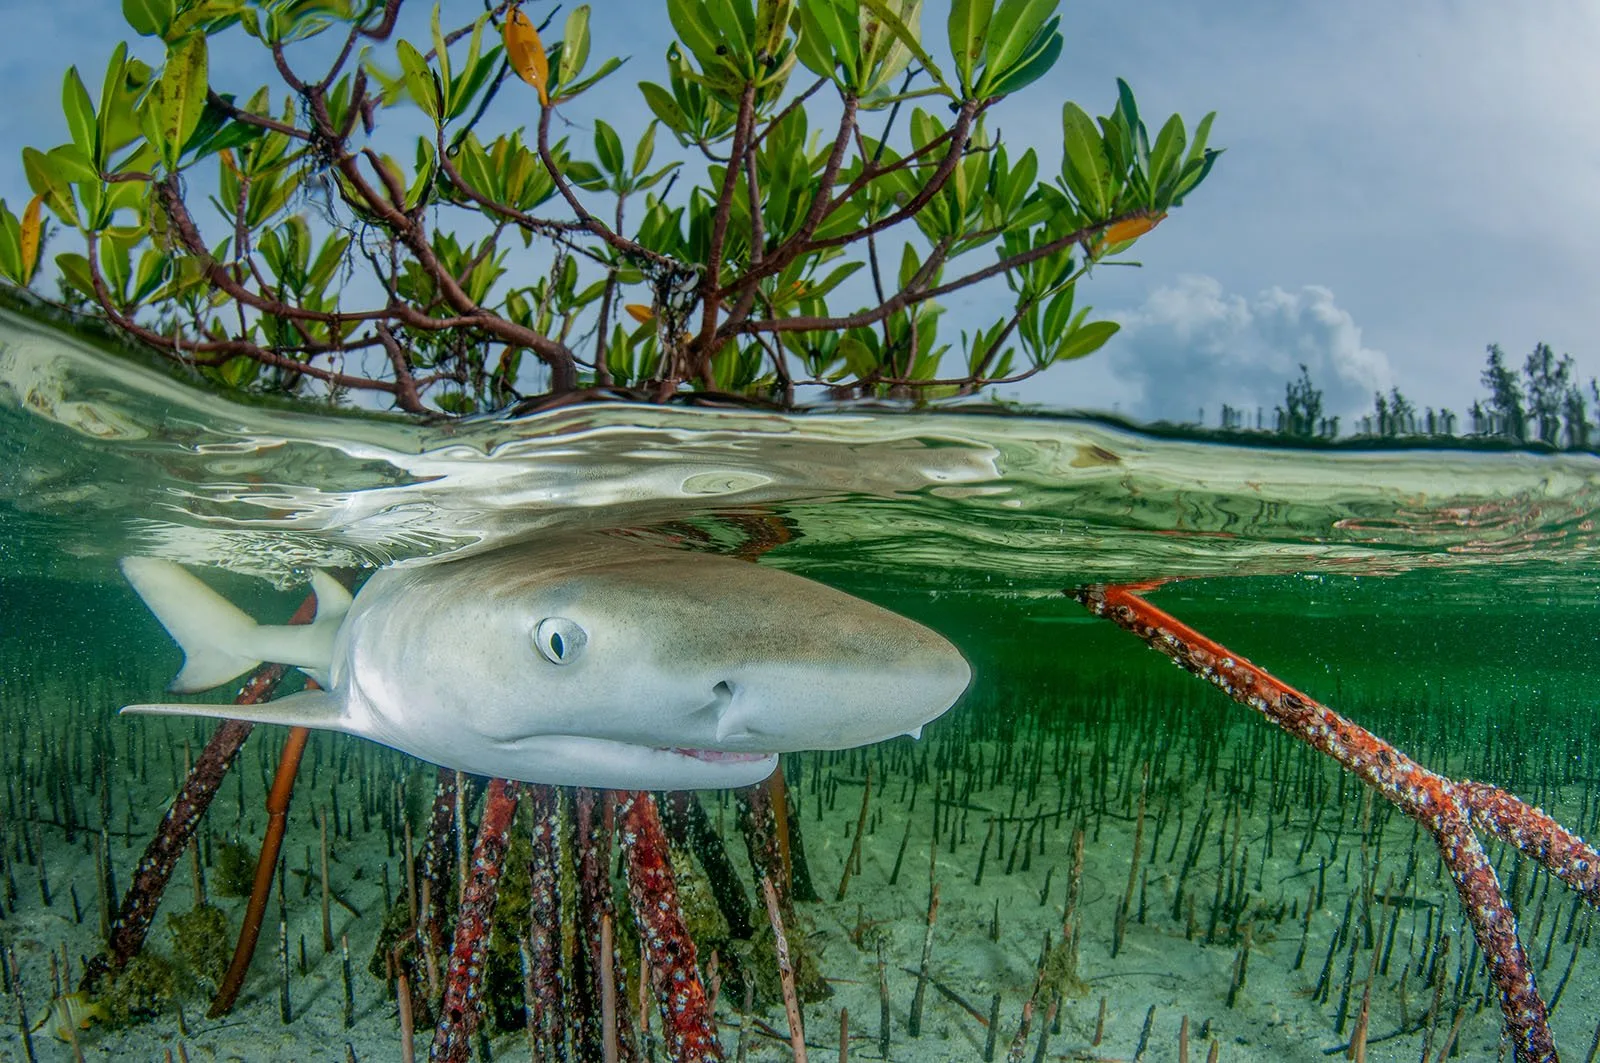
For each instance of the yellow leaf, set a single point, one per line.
(640, 313)
(226, 155)
(526, 53)
(32, 227)
(1127, 230)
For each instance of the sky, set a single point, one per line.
(1403, 184)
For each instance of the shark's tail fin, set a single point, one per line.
(218, 640)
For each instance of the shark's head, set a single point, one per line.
(666, 670)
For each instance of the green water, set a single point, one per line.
(1446, 599)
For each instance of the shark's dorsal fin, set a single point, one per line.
(309, 708)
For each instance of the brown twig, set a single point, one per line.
(791, 1000)
(855, 842)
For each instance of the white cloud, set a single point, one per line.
(1193, 345)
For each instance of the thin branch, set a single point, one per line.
(709, 304)
(911, 295)
(260, 121)
(538, 226)
(593, 224)
(405, 394)
(380, 32)
(958, 142)
(822, 204)
(281, 61)
(756, 141)
(215, 352)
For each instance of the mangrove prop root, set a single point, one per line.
(800, 885)
(294, 746)
(778, 800)
(689, 827)
(546, 1000)
(438, 854)
(592, 828)
(687, 1025)
(1568, 856)
(172, 837)
(758, 823)
(462, 1008)
(1444, 808)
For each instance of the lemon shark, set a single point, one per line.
(577, 661)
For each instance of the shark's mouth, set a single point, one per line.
(717, 756)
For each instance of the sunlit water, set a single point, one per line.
(1446, 598)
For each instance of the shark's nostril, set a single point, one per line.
(724, 691)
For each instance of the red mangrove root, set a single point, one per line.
(1446, 809)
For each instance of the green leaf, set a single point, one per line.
(1164, 156)
(10, 245)
(969, 31)
(904, 34)
(1202, 133)
(231, 135)
(606, 69)
(1011, 33)
(45, 178)
(1127, 105)
(574, 46)
(1033, 66)
(182, 96)
(1058, 314)
(149, 18)
(238, 373)
(421, 83)
(1193, 173)
(645, 150)
(75, 271)
(474, 76)
(1083, 163)
(664, 107)
(859, 359)
(75, 103)
(441, 51)
(608, 147)
(1086, 339)
(115, 109)
(73, 164)
(692, 23)
(830, 38)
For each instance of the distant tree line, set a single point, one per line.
(1544, 403)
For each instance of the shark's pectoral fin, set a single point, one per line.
(309, 708)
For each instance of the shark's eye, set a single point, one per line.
(559, 639)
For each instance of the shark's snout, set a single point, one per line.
(839, 700)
